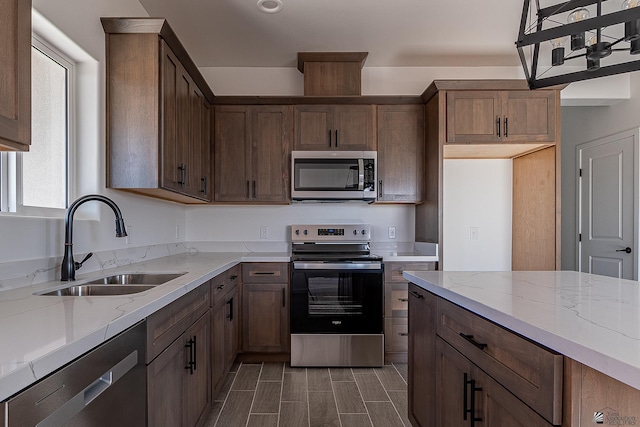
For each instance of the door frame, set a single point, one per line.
(635, 134)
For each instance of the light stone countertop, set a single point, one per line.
(589, 318)
(39, 334)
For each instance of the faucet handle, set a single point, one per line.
(79, 264)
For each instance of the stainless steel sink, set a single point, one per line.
(118, 284)
(136, 279)
(99, 290)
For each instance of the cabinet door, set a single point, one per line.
(313, 127)
(197, 387)
(232, 134)
(175, 121)
(401, 153)
(218, 343)
(271, 133)
(422, 357)
(354, 128)
(265, 317)
(232, 327)
(194, 148)
(165, 386)
(474, 116)
(529, 116)
(454, 383)
(497, 407)
(205, 151)
(15, 74)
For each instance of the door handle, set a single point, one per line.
(329, 137)
(506, 127)
(415, 294)
(498, 126)
(469, 338)
(627, 250)
(336, 138)
(230, 316)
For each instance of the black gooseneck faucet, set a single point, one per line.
(69, 266)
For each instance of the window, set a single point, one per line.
(37, 182)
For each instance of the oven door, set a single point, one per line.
(337, 297)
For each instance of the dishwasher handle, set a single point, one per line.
(77, 403)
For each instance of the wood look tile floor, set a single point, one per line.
(277, 395)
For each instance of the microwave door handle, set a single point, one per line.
(360, 174)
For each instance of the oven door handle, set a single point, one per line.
(298, 265)
(360, 173)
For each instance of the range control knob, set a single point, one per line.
(364, 232)
(355, 232)
(305, 232)
(297, 232)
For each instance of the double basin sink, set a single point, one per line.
(118, 284)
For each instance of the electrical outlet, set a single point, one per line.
(129, 234)
(392, 232)
(473, 233)
(264, 232)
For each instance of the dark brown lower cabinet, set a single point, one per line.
(421, 357)
(178, 387)
(224, 333)
(265, 318)
(467, 396)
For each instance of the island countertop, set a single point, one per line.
(592, 319)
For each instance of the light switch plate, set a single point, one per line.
(392, 232)
(264, 232)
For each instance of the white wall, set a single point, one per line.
(580, 125)
(477, 193)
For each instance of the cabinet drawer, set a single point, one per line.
(396, 299)
(265, 272)
(396, 335)
(393, 270)
(168, 323)
(223, 282)
(531, 372)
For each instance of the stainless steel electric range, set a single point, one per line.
(336, 297)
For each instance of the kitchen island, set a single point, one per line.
(592, 322)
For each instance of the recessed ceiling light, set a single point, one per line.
(270, 6)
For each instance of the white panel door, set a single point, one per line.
(607, 211)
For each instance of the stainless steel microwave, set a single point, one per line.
(334, 175)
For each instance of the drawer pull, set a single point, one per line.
(415, 294)
(234, 277)
(403, 334)
(403, 299)
(469, 338)
(264, 273)
(221, 286)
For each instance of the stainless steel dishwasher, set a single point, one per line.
(104, 387)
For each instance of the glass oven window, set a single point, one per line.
(334, 296)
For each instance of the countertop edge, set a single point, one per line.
(623, 372)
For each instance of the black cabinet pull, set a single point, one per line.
(264, 273)
(221, 286)
(195, 354)
(336, 138)
(473, 403)
(191, 363)
(329, 137)
(380, 188)
(234, 277)
(284, 301)
(182, 168)
(203, 187)
(627, 250)
(403, 334)
(465, 399)
(506, 127)
(469, 338)
(403, 299)
(498, 126)
(254, 188)
(415, 294)
(230, 302)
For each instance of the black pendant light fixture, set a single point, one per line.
(604, 38)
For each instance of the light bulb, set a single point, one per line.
(577, 40)
(557, 54)
(631, 28)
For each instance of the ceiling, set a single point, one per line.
(396, 33)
